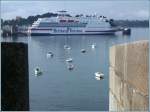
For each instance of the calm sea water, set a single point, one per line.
(60, 89)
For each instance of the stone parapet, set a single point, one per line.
(128, 76)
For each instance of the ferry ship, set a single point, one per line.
(64, 24)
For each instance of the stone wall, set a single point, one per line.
(128, 76)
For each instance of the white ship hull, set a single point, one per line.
(79, 32)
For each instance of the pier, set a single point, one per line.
(14, 30)
(128, 77)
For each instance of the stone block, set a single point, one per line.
(117, 87)
(129, 76)
(112, 56)
(120, 61)
(139, 102)
(112, 102)
(119, 107)
(111, 79)
(127, 97)
(137, 66)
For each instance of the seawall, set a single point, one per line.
(128, 77)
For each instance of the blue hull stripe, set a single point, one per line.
(46, 34)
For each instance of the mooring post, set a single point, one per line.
(14, 77)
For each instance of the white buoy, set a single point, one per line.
(50, 54)
(83, 50)
(37, 71)
(70, 67)
(69, 60)
(99, 75)
(93, 46)
(67, 47)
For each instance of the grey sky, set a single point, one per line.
(117, 9)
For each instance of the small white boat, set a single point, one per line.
(93, 46)
(70, 67)
(97, 78)
(83, 50)
(67, 47)
(100, 75)
(37, 71)
(69, 60)
(50, 54)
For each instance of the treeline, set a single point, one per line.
(26, 21)
(132, 23)
(29, 20)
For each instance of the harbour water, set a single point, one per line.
(58, 88)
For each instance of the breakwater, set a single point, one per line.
(128, 77)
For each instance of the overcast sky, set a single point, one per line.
(117, 9)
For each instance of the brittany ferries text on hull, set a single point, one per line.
(68, 25)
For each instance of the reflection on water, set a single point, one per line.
(61, 89)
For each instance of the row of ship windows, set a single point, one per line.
(62, 25)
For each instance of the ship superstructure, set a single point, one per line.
(69, 25)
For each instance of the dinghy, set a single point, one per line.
(99, 74)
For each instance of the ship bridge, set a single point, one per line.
(62, 13)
